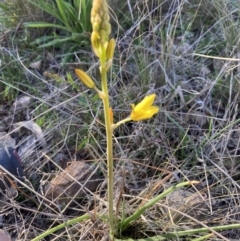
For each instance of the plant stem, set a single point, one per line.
(109, 147)
(114, 126)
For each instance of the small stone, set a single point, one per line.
(76, 182)
(36, 65)
(4, 236)
(7, 140)
(21, 103)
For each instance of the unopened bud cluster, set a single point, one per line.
(100, 19)
(101, 45)
(100, 25)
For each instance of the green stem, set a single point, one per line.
(114, 126)
(62, 225)
(109, 146)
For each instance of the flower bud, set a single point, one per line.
(85, 78)
(110, 48)
(100, 25)
(95, 43)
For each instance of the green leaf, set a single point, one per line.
(62, 8)
(42, 39)
(44, 25)
(4, 7)
(72, 18)
(55, 42)
(126, 222)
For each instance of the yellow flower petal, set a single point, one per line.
(146, 102)
(144, 110)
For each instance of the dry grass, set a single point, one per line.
(194, 137)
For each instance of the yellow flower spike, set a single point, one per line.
(85, 78)
(145, 109)
(100, 24)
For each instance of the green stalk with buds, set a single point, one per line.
(104, 50)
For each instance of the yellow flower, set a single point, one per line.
(145, 109)
(85, 78)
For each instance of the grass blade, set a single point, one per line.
(62, 8)
(44, 25)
